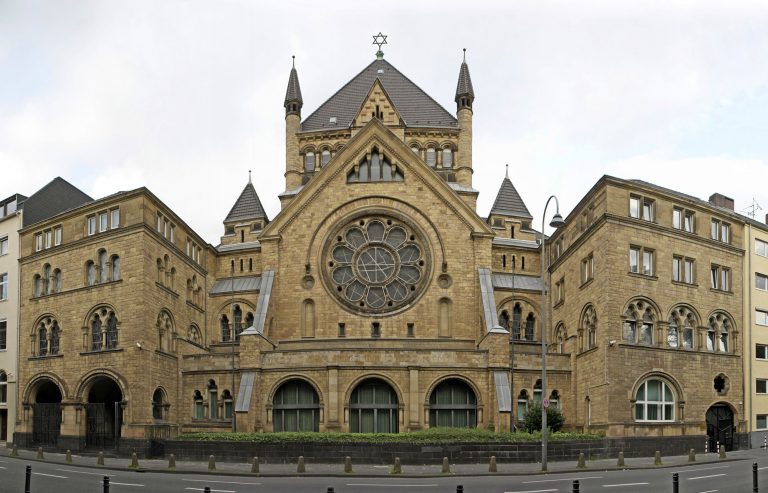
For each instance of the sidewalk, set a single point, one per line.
(371, 470)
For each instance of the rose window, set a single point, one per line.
(376, 264)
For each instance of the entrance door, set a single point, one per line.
(3, 425)
(46, 423)
(103, 414)
(720, 427)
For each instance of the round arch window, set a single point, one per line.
(453, 404)
(655, 401)
(296, 407)
(376, 264)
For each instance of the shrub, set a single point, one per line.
(555, 418)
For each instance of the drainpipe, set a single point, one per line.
(747, 383)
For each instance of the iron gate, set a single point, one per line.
(46, 423)
(720, 427)
(102, 424)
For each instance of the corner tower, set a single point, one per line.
(465, 95)
(293, 103)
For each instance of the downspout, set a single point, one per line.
(747, 383)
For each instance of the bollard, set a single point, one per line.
(106, 484)
(460, 489)
(68, 458)
(691, 455)
(40, 453)
(207, 489)
(722, 452)
(706, 446)
(765, 441)
(492, 465)
(347, 464)
(397, 469)
(15, 451)
(575, 486)
(300, 466)
(717, 447)
(657, 458)
(211, 463)
(582, 464)
(754, 477)
(28, 479)
(330, 490)
(620, 461)
(255, 465)
(446, 466)
(172, 462)
(675, 483)
(100, 460)
(134, 461)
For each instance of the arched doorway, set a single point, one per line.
(46, 414)
(720, 427)
(103, 413)
(453, 404)
(373, 408)
(296, 407)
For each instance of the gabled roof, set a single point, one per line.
(54, 198)
(508, 202)
(247, 207)
(416, 107)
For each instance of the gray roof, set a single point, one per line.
(238, 246)
(464, 86)
(240, 284)
(247, 207)
(509, 203)
(293, 92)
(415, 106)
(54, 198)
(514, 242)
(514, 281)
(490, 317)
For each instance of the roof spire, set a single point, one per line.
(380, 39)
(506, 175)
(293, 62)
(464, 92)
(249, 176)
(293, 101)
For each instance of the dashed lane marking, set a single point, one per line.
(563, 479)
(623, 484)
(49, 475)
(705, 477)
(222, 482)
(83, 472)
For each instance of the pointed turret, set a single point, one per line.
(292, 104)
(293, 101)
(246, 218)
(465, 95)
(508, 202)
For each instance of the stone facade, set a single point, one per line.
(377, 300)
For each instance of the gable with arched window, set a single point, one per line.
(588, 327)
(720, 333)
(193, 334)
(166, 332)
(638, 322)
(235, 318)
(682, 323)
(560, 336)
(103, 326)
(374, 168)
(46, 337)
(519, 319)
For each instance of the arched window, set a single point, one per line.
(199, 408)
(224, 328)
(639, 312)
(504, 319)
(96, 341)
(453, 404)
(54, 346)
(56, 281)
(213, 399)
(682, 321)
(447, 158)
(719, 330)
(165, 332)
(522, 405)
(103, 266)
(654, 401)
(3, 387)
(537, 392)
(517, 314)
(115, 268)
(42, 340)
(226, 398)
(90, 273)
(103, 327)
(38, 282)
(46, 337)
(431, 157)
(238, 314)
(193, 334)
(296, 407)
(309, 162)
(377, 169)
(47, 282)
(111, 331)
(554, 399)
(373, 408)
(530, 324)
(158, 404)
(325, 157)
(560, 337)
(630, 326)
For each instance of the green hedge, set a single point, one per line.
(432, 435)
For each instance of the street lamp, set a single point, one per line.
(557, 221)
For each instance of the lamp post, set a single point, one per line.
(232, 333)
(557, 221)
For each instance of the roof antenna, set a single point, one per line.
(507, 173)
(465, 55)
(293, 63)
(249, 176)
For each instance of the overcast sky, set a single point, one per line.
(184, 97)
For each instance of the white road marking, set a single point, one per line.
(129, 484)
(529, 491)
(224, 482)
(761, 468)
(709, 491)
(83, 472)
(217, 491)
(563, 479)
(1, 467)
(624, 484)
(705, 477)
(49, 475)
(390, 485)
(702, 469)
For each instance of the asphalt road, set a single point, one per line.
(727, 477)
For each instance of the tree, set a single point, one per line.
(555, 418)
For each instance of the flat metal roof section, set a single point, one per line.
(503, 394)
(238, 246)
(237, 285)
(243, 402)
(489, 306)
(514, 281)
(263, 303)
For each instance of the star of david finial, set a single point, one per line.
(380, 40)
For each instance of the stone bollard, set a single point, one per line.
(15, 451)
(134, 461)
(446, 466)
(620, 462)
(459, 489)
(582, 464)
(397, 468)
(300, 466)
(347, 464)
(40, 453)
(657, 458)
(255, 465)
(171, 462)
(100, 460)
(492, 465)
(330, 490)
(722, 451)
(691, 455)
(211, 463)
(68, 457)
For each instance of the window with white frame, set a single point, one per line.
(114, 221)
(642, 208)
(761, 422)
(720, 278)
(761, 386)
(761, 317)
(761, 352)
(682, 269)
(641, 260)
(38, 242)
(587, 268)
(654, 401)
(761, 282)
(3, 335)
(3, 286)
(57, 236)
(682, 219)
(761, 248)
(4, 246)
(3, 387)
(91, 225)
(720, 230)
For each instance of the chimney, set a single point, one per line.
(721, 200)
